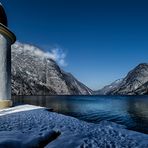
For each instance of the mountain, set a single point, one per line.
(136, 82)
(35, 73)
(109, 87)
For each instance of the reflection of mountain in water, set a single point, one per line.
(138, 110)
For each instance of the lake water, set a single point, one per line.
(131, 111)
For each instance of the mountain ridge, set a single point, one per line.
(34, 73)
(135, 83)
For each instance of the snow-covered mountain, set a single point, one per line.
(136, 82)
(109, 87)
(34, 73)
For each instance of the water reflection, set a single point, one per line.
(131, 111)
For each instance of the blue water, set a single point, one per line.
(131, 111)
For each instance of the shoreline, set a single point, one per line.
(28, 125)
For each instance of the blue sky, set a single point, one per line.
(102, 39)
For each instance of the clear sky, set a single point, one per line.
(103, 39)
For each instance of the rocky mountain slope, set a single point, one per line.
(109, 87)
(34, 73)
(136, 82)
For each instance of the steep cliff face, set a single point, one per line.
(142, 90)
(136, 82)
(34, 73)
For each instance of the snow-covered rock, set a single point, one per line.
(35, 73)
(38, 127)
(143, 89)
(17, 139)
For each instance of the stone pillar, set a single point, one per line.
(7, 38)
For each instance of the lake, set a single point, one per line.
(131, 111)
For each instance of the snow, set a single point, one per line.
(31, 126)
(18, 109)
(18, 139)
